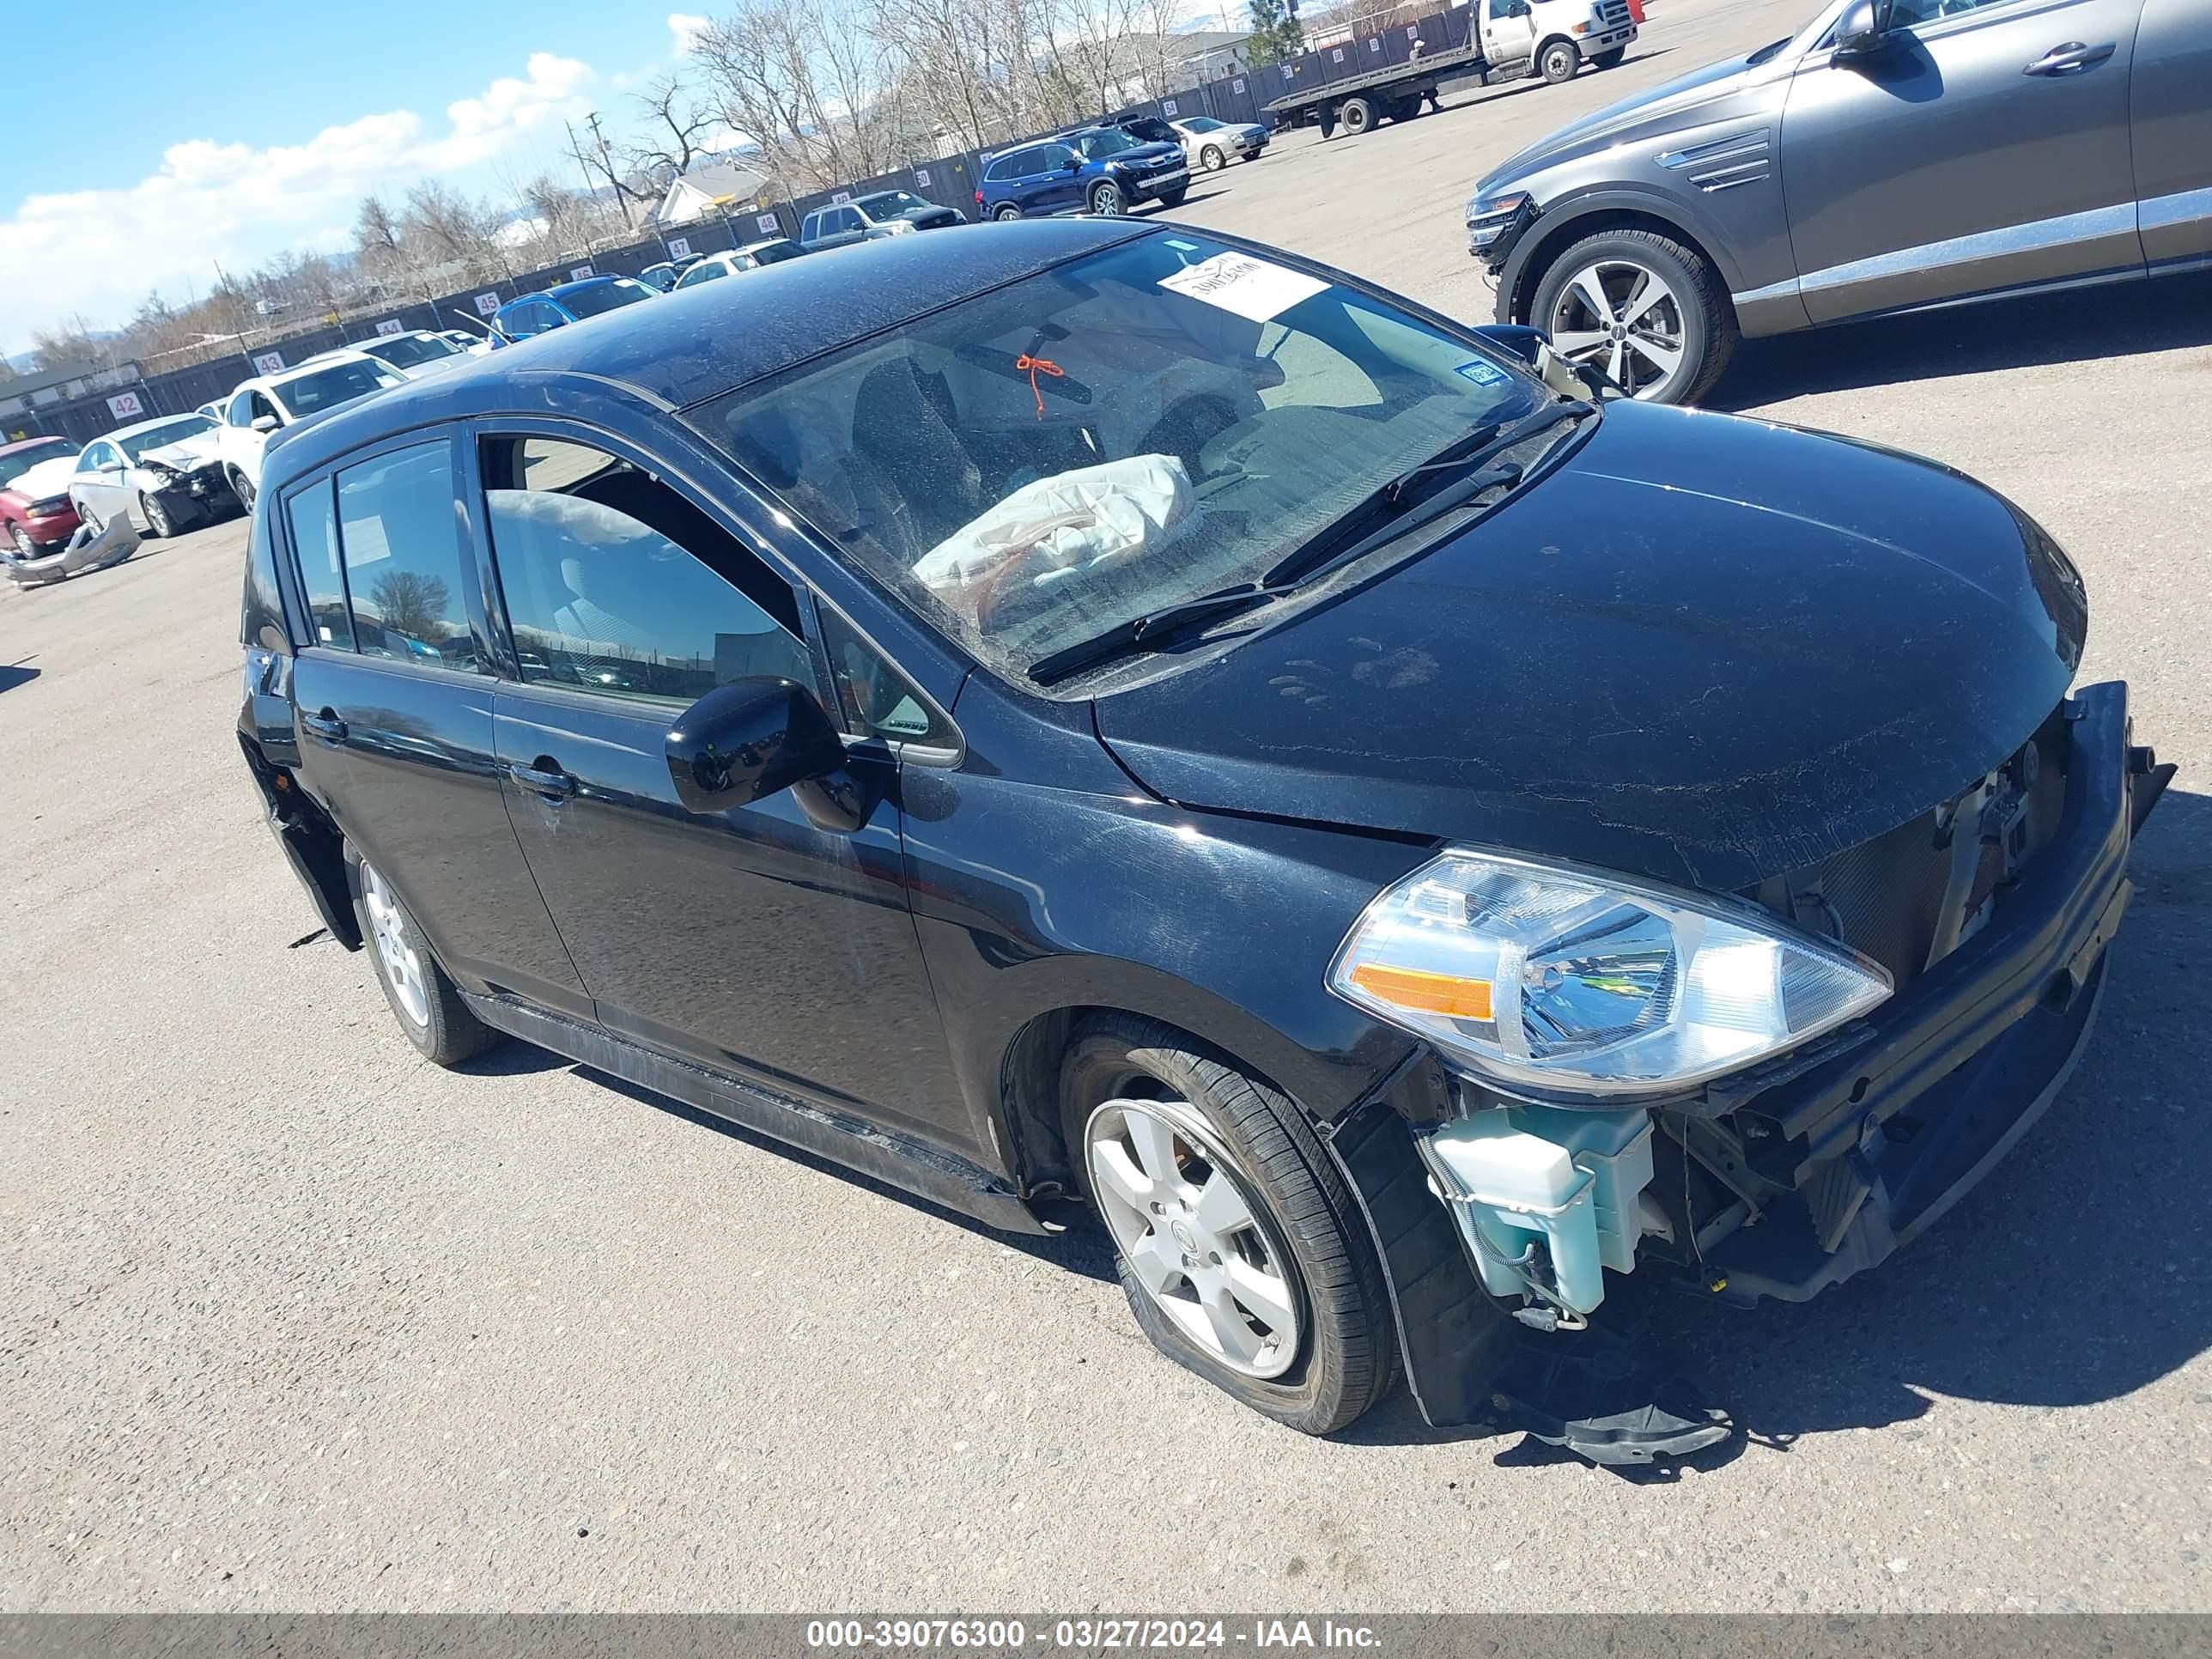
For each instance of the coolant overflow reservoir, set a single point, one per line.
(1518, 1175)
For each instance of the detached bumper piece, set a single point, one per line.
(1925, 1099)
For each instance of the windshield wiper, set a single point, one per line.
(1153, 628)
(1325, 547)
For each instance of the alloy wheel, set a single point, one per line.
(1106, 201)
(21, 537)
(1007, 210)
(157, 516)
(241, 488)
(1195, 1233)
(396, 951)
(1623, 318)
(1210, 157)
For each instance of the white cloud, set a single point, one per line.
(684, 29)
(98, 251)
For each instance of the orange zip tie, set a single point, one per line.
(1038, 365)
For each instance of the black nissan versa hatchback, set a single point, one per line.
(1082, 715)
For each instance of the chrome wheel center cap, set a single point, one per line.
(1184, 1236)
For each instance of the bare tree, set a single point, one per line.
(676, 119)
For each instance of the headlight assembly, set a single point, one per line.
(1487, 220)
(1553, 982)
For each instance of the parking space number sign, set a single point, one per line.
(391, 326)
(679, 248)
(769, 226)
(125, 406)
(268, 362)
(486, 304)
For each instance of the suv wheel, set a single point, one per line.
(1559, 62)
(1006, 210)
(1106, 199)
(1244, 1256)
(426, 1001)
(1641, 308)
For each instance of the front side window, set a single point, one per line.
(616, 585)
(240, 412)
(92, 460)
(406, 569)
(1033, 466)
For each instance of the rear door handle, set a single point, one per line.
(549, 781)
(326, 726)
(2070, 58)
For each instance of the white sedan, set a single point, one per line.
(1214, 144)
(267, 403)
(164, 475)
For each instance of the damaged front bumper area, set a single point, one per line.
(1777, 1182)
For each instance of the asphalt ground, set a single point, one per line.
(296, 1322)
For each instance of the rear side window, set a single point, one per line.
(263, 622)
(404, 565)
(616, 585)
(314, 516)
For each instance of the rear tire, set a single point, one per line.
(423, 998)
(1006, 210)
(1609, 58)
(1559, 62)
(1317, 1346)
(1358, 115)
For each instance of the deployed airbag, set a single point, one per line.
(1052, 527)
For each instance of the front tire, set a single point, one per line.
(423, 997)
(155, 517)
(1559, 62)
(241, 488)
(1643, 309)
(1209, 158)
(1609, 58)
(1106, 200)
(1173, 198)
(85, 515)
(1243, 1255)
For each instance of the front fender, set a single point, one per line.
(1590, 207)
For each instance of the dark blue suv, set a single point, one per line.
(1093, 169)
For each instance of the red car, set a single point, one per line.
(35, 503)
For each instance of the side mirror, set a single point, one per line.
(754, 738)
(1515, 337)
(1860, 29)
(111, 466)
(264, 423)
(1072, 164)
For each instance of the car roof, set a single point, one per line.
(28, 443)
(688, 346)
(582, 285)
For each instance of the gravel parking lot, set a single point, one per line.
(296, 1322)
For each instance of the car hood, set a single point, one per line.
(1678, 103)
(1147, 154)
(47, 479)
(185, 453)
(1704, 650)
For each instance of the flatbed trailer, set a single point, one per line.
(1395, 91)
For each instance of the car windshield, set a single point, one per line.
(1042, 463)
(607, 296)
(169, 431)
(1096, 144)
(340, 383)
(1203, 124)
(892, 201)
(14, 467)
(408, 350)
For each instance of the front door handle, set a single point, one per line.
(545, 778)
(2070, 58)
(326, 726)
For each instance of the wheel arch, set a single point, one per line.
(1556, 39)
(313, 844)
(1567, 223)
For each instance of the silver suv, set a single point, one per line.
(1892, 155)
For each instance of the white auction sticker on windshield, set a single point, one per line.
(1240, 284)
